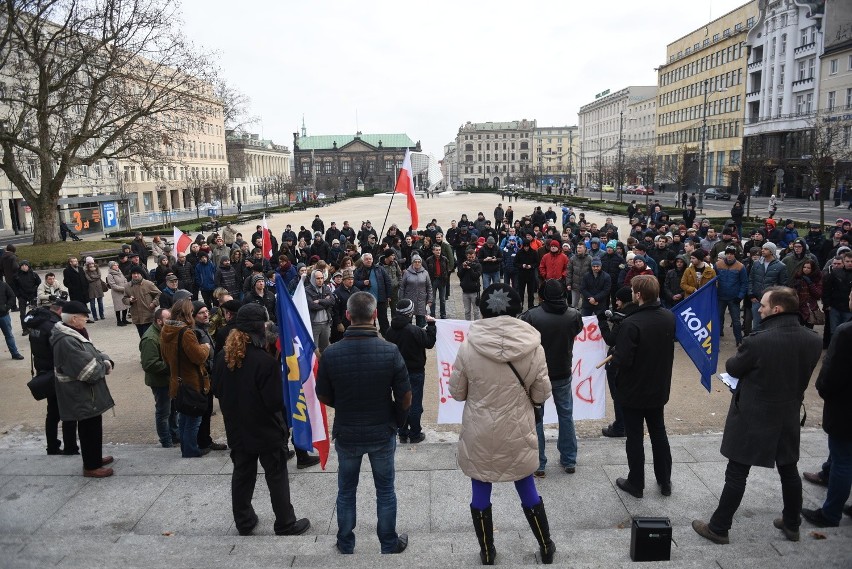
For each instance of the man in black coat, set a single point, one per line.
(365, 379)
(642, 360)
(834, 385)
(412, 342)
(558, 324)
(762, 428)
(40, 323)
(252, 403)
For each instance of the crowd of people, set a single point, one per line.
(206, 320)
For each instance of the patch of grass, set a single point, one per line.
(57, 254)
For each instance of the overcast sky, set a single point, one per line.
(425, 68)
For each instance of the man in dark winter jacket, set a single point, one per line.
(412, 342)
(836, 288)
(226, 277)
(732, 287)
(834, 385)
(365, 380)
(526, 262)
(642, 362)
(470, 272)
(558, 324)
(762, 428)
(40, 323)
(595, 290)
(26, 289)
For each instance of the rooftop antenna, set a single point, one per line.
(304, 131)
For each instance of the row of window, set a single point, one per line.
(173, 173)
(702, 64)
(469, 147)
(689, 135)
(496, 169)
(496, 135)
(346, 167)
(696, 89)
(506, 157)
(834, 65)
(832, 99)
(693, 112)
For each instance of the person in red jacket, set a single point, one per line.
(554, 264)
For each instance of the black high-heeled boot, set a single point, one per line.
(537, 518)
(483, 525)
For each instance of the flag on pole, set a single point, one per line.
(405, 185)
(267, 241)
(306, 416)
(182, 241)
(697, 330)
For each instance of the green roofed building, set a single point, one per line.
(334, 163)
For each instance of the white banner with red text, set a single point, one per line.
(588, 384)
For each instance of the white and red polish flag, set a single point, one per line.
(267, 241)
(405, 185)
(182, 241)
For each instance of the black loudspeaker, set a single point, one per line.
(650, 539)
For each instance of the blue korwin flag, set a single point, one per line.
(297, 348)
(697, 330)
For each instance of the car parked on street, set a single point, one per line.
(716, 194)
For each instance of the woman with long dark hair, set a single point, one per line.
(807, 281)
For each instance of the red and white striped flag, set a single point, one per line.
(182, 241)
(267, 241)
(405, 185)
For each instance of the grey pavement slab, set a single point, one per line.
(189, 505)
(27, 502)
(107, 506)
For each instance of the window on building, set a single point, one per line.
(809, 102)
(832, 95)
(803, 39)
(849, 98)
(800, 104)
(345, 167)
(849, 64)
(783, 43)
(811, 67)
(326, 168)
(801, 70)
(317, 167)
(749, 22)
(832, 66)
(781, 82)
(735, 157)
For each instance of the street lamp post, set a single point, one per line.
(701, 184)
(620, 133)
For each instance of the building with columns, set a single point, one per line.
(601, 128)
(702, 93)
(338, 162)
(257, 168)
(783, 79)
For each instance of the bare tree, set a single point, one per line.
(220, 190)
(235, 106)
(92, 80)
(831, 144)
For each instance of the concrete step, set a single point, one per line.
(582, 548)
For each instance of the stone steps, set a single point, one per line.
(582, 548)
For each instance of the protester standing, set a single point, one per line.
(642, 361)
(365, 380)
(558, 325)
(247, 382)
(762, 428)
(157, 377)
(81, 390)
(500, 373)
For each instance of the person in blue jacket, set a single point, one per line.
(732, 288)
(205, 278)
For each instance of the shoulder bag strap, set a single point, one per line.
(179, 351)
(521, 381)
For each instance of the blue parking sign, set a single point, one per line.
(110, 216)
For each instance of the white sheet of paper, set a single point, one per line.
(728, 380)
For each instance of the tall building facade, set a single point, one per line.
(835, 91)
(701, 102)
(556, 150)
(450, 165)
(639, 141)
(601, 128)
(496, 154)
(784, 75)
(257, 167)
(339, 162)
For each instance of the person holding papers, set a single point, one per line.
(762, 428)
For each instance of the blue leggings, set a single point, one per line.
(525, 487)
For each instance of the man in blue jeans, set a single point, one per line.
(364, 378)
(558, 324)
(412, 342)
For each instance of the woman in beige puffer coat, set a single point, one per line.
(498, 441)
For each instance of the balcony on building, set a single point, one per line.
(806, 84)
(804, 50)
